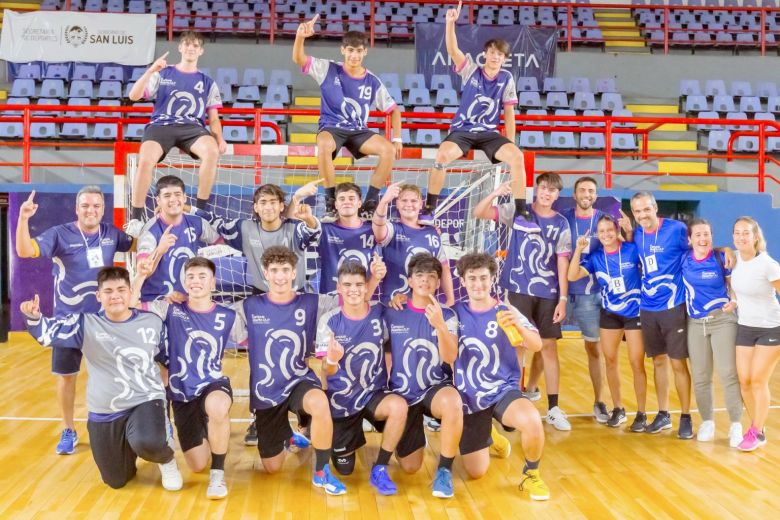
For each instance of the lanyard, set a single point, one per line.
(620, 262)
(84, 238)
(577, 225)
(655, 241)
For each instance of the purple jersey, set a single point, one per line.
(705, 283)
(339, 244)
(531, 265)
(619, 276)
(281, 337)
(482, 98)
(399, 246)
(181, 98)
(580, 227)
(414, 344)
(361, 372)
(194, 347)
(75, 275)
(191, 233)
(486, 367)
(661, 253)
(347, 100)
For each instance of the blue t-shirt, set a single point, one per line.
(621, 299)
(75, 282)
(281, 337)
(339, 244)
(486, 367)
(181, 98)
(361, 372)
(705, 283)
(580, 227)
(347, 100)
(531, 265)
(414, 345)
(662, 285)
(482, 98)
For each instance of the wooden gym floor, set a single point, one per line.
(592, 471)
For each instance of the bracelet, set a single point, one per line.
(397, 140)
(331, 363)
(564, 298)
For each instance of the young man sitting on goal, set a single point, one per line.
(475, 125)
(349, 91)
(183, 96)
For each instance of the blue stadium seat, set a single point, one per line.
(556, 100)
(136, 7)
(81, 89)
(74, 130)
(766, 89)
(44, 130)
(723, 103)
(235, 134)
(104, 131)
(248, 93)
(23, 87)
(427, 109)
(396, 94)
(536, 112)
(108, 103)
(278, 94)
(741, 88)
(715, 87)
(583, 101)
(562, 140)
(84, 71)
(273, 118)
(531, 139)
(579, 85)
(690, 87)
(591, 141)
(112, 73)
(738, 115)
(136, 105)
(611, 101)
(593, 113)
(280, 77)
(253, 77)
(224, 20)
(750, 104)
(708, 114)
(226, 92)
(15, 101)
(115, 6)
(565, 112)
(414, 81)
(527, 84)
(29, 71)
(11, 130)
(441, 81)
(529, 100)
(57, 71)
(605, 85)
(267, 135)
(203, 21)
(136, 74)
(109, 90)
(718, 140)
(623, 112)
(134, 131)
(246, 22)
(227, 76)
(624, 142)
(52, 88)
(390, 80)
(241, 104)
(427, 137)
(696, 103)
(553, 84)
(447, 97)
(419, 97)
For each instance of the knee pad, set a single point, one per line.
(344, 464)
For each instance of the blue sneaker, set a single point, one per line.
(324, 479)
(381, 480)
(69, 439)
(298, 441)
(523, 224)
(442, 484)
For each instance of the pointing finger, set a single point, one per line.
(320, 179)
(314, 20)
(165, 55)
(31, 197)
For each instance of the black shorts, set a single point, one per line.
(348, 433)
(413, 437)
(488, 142)
(352, 140)
(540, 312)
(477, 426)
(273, 424)
(65, 361)
(168, 136)
(611, 321)
(191, 419)
(752, 336)
(665, 332)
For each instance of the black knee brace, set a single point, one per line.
(344, 464)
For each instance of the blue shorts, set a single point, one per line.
(583, 310)
(65, 361)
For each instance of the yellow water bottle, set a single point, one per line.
(511, 331)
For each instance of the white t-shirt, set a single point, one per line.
(757, 304)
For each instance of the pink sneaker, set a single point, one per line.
(752, 440)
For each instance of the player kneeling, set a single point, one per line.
(487, 374)
(423, 337)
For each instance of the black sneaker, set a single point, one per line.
(686, 428)
(640, 423)
(661, 422)
(617, 418)
(600, 412)
(250, 439)
(368, 208)
(330, 211)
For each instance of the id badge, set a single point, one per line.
(651, 264)
(617, 285)
(95, 257)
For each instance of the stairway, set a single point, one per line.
(617, 23)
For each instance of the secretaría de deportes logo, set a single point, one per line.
(76, 35)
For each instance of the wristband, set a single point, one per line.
(331, 363)
(397, 140)
(564, 298)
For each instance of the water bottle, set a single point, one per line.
(511, 331)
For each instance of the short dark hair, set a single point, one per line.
(200, 261)
(551, 178)
(471, 261)
(698, 221)
(497, 43)
(269, 189)
(354, 39)
(192, 36)
(424, 263)
(352, 267)
(609, 218)
(585, 179)
(278, 255)
(168, 181)
(112, 273)
(348, 186)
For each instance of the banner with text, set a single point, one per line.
(532, 50)
(53, 36)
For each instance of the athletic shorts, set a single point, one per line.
(413, 437)
(65, 361)
(665, 332)
(583, 311)
(477, 426)
(191, 419)
(540, 312)
(489, 142)
(352, 140)
(612, 321)
(348, 433)
(752, 336)
(180, 136)
(273, 424)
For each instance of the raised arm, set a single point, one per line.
(576, 271)
(378, 272)
(448, 341)
(25, 245)
(65, 332)
(137, 92)
(447, 286)
(379, 220)
(305, 30)
(484, 210)
(456, 55)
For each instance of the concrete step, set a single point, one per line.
(683, 166)
(677, 146)
(688, 187)
(307, 101)
(303, 138)
(312, 161)
(646, 108)
(305, 119)
(668, 127)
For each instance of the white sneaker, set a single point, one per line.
(706, 432)
(134, 227)
(533, 395)
(217, 486)
(557, 418)
(171, 477)
(368, 427)
(735, 434)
